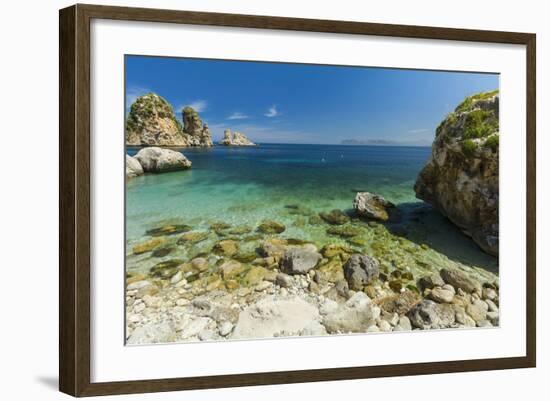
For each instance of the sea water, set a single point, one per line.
(246, 185)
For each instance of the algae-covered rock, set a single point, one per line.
(315, 220)
(271, 227)
(461, 178)
(170, 229)
(335, 216)
(298, 210)
(273, 247)
(245, 257)
(148, 246)
(372, 206)
(226, 247)
(232, 269)
(162, 252)
(346, 231)
(332, 272)
(331, 250)
(240, 230)
(166, 269)
(192, 237)
(255, 275)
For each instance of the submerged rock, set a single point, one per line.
(360, 270)
(161, 252)
(226, 247)
(271, 227)
(372, 206)
(235, 139)
(461, 178)
(192, 237)
(169, 229)
(346, 231)
(332, 250)
(148, 246)
(157, 160)
(299, 261)
(166, 269)
(335, 216)
(133, 167)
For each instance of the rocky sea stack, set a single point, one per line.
(152, 122)
(235, 139)
(461, 177)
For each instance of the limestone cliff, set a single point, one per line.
(152, 122)
(461, 177)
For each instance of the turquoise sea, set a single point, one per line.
(245, 185)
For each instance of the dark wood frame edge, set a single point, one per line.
(74, 199)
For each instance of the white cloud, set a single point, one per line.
(198, 105)
(237, 116)
(272, 112)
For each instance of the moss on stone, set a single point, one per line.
(471, 100)
(492, 143)
(469, 148)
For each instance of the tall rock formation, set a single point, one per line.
(194, 126)
(461, 177)
(152, 122)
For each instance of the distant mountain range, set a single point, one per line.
(368, 142)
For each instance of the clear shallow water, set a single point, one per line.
(245, 185)
(261, 179)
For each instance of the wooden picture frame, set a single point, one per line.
(74, 204)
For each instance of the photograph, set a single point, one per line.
(269, 199)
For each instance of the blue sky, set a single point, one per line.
(296, 103)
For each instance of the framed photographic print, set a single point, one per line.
(297, 200)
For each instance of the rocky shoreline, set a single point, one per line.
(253, 282)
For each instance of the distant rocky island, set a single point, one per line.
(235, 139)
(367, 142)
(152, 122)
